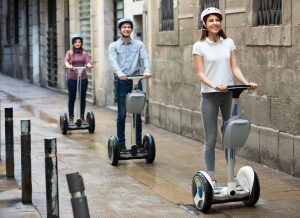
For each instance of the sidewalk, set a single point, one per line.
(133, 188)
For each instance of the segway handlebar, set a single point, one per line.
(237, 89)
(135, 76)
(233, 87)
(78, 68)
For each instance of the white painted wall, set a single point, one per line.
(133, 8)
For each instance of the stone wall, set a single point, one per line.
(266, 55)
(102, 26)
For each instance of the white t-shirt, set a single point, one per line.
(216, 61)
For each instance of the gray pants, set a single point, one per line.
(209, 106)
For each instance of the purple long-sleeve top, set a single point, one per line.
(79, 59)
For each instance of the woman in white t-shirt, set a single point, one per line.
(216, 66)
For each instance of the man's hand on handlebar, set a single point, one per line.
(147, 75)
(122, 76)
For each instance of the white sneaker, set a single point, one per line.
(238, 185)
(216, 187)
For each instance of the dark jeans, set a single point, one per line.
(123, 88)
(72, 87)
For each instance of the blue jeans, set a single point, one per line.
(123, 88)
(72, 87)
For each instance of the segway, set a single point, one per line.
(78, 125)
(235, 133)
(135, 102)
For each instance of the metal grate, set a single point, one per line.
(66, 34)
(52, 57)
(269, 12)
(118, 14)
(52, 46)
(205, 4)
(166, 16)
(85, 29)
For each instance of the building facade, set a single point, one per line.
(35, 36)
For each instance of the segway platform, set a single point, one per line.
(235, 133)
(135, 102)
(65, 125)
(78, 125)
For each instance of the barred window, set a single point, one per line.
(205, 4)
(118, 14)
(268, 12)
(166, 15)
(16, 17)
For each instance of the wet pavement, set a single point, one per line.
(133, 188)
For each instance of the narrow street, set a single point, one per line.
(133, 188)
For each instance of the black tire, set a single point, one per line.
(113, 151)
(202, 187)
(63, 123)
(149, 146)
(255, 193)
(90, 118)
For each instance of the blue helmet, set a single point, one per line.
(124, 20)
(76, 36)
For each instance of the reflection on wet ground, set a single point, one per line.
(38, 113)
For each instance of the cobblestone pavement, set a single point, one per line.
(133, 188)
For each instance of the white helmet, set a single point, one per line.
(210, 10)
(76, 36)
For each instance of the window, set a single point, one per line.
(52, 45)
(7, 16)
(118, 14)
(16, 16)
(269, 23)
(205, 4)
(166, 19)
(166, 16)
(267, 12)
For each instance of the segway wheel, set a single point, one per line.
(202, 192)
(149, 146)
(113, 151)
(90, 118)
(255, 193)
(64, 123)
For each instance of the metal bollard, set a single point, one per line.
(9, 143)
(26, 162)
(78, 198)
(51, 178)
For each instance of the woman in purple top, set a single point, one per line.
(77, 57)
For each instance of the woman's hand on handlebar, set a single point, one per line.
(147, 75)
(253, 85)
(221, 88)
(89, 65)
(122, 76)
(69, 66)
